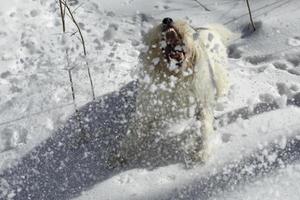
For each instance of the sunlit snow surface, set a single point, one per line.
(39, 153)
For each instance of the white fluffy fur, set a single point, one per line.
(166, 97)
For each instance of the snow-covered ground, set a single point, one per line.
(36, 97)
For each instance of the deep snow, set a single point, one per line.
(264, 67)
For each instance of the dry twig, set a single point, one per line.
(62, 14)
(203, 6)
(70, 14)
(63, 7)
(250, 15)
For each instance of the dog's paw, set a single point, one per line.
(207, 151)
(203, 155)
(196, 158)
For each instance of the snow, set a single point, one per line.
(161, 183)
(264, 66)
(284, 184)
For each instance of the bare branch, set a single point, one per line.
(74, 34)
(77, 7)
(203, 6)
(91, 80)
(77, 26)
(70, 13)
(62, 14)
(71, 81)
(250, 15)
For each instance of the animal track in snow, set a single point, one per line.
(258, 59)
(294, 59)
(291, 65)
(12, 137)
(280, 65)
(287, 90)
(226, 137)
(234, 51)
(162, 7)
(294, 41)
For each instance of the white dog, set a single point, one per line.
(183, 73)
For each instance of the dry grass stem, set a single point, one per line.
(250, 15)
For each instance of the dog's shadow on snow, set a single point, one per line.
(72, 160)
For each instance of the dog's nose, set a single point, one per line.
(167, 21)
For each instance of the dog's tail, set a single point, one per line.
(226, 35)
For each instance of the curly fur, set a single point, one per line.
(166, 97)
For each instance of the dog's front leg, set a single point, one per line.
(205, 115)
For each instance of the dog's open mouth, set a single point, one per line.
(173, 47)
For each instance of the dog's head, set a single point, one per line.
(172, 45)
(171, 48)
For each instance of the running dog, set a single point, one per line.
(183, 73)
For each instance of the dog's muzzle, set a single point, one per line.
(172, 44)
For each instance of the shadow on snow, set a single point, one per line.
(72, 161)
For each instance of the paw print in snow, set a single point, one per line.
(294, 42)
(12, 137)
